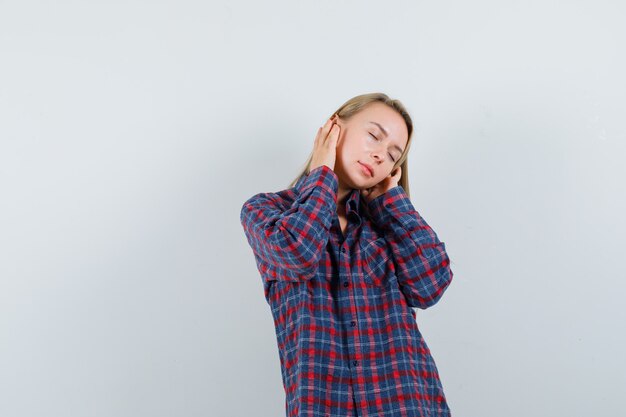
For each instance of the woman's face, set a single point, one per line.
(375, 136)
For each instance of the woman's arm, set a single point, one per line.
(422, 264)
(287, 244)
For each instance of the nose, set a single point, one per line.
(378, 155)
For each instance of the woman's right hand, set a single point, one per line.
(325, 146)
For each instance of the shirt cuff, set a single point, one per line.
(393, 201)
(322, 177)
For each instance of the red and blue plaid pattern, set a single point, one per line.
(347, 337)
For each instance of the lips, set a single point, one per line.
(369, 168)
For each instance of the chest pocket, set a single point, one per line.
(375, 259)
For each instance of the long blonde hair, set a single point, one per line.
(353, 106)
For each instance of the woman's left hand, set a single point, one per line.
(382, 187)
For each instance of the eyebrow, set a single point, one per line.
(387, 134)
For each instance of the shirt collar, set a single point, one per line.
(353, 201)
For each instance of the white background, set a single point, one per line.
(132, 132)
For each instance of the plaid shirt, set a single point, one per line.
(347, 335)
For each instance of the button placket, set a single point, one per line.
(343, 250)
(347, 284)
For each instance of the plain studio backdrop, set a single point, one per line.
(132, 132)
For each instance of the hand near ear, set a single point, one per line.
(325, 145)
(382, 187)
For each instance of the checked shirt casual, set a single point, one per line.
(348, 340)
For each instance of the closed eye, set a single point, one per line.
(390, 155)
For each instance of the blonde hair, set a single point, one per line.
(356, 104)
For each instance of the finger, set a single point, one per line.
(334, 135)
(317, 137)
(331, 138)
(326, 128)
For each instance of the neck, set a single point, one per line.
(342, 195)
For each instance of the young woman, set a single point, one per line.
(344, 258)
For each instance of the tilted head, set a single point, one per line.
(375, 131)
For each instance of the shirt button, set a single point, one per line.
(345, 284)
(354, 363)
(343, 250)
(353, 323)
